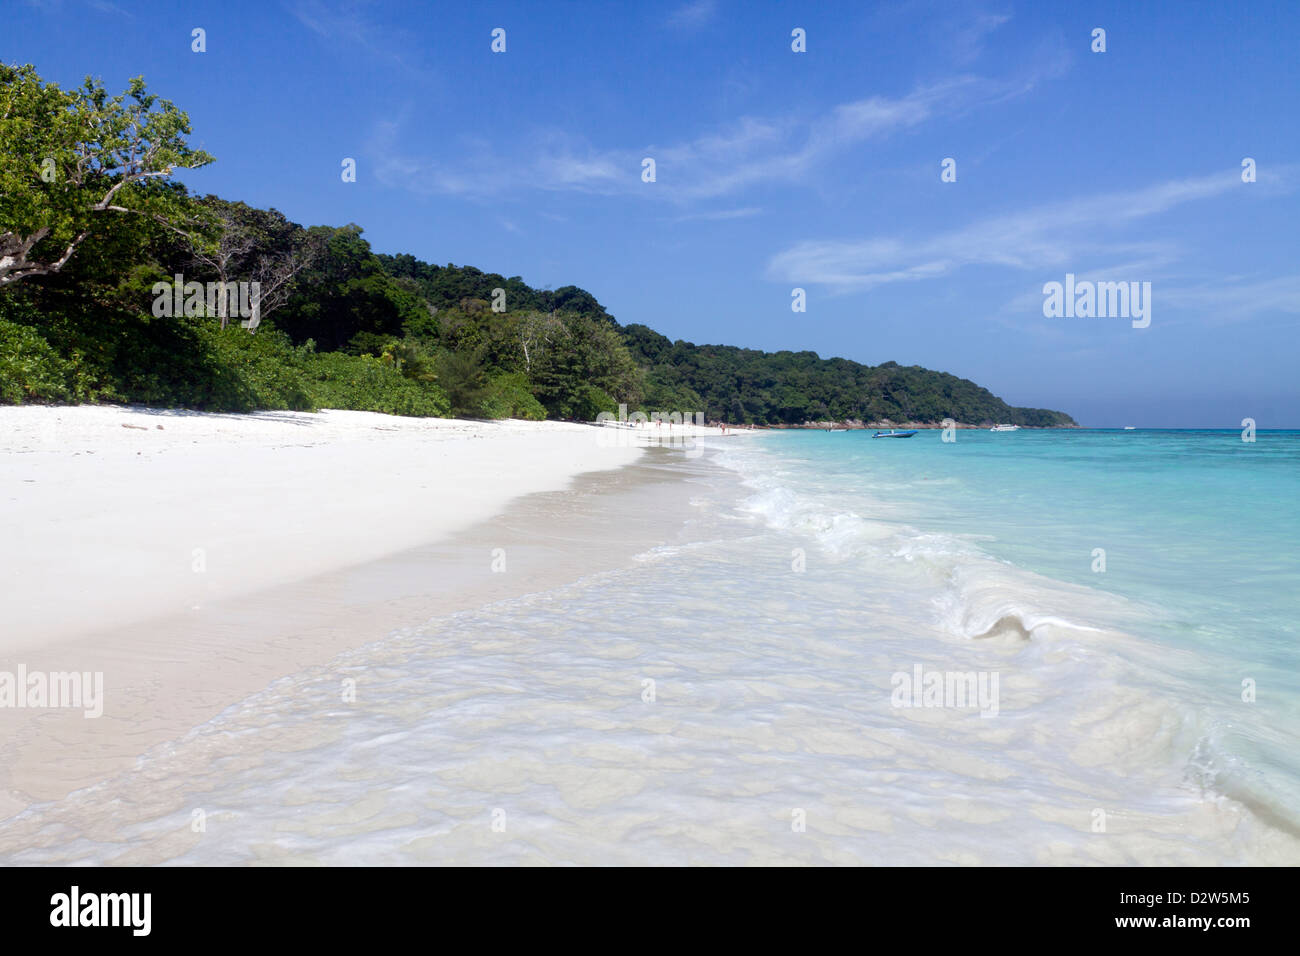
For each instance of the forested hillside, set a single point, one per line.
(92, 230)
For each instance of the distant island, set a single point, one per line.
(117, 285)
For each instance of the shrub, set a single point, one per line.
(32, 371)
(364, 383)
(264, 369)
(510, 397)
(465, 381)
(589, 402)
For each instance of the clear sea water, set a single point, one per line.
(1201, 576)
(1147, 713)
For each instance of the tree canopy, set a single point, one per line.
(69, 159)
(342, 326)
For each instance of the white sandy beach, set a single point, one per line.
(195, 557)
(685, 661)
(114, 515)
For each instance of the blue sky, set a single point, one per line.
(777, 169)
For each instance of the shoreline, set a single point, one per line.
(167, 672)
(525, 690)
(117, 514)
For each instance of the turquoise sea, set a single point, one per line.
(1200, 586)
(782, 681)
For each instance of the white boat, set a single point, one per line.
(1129, 428)
(1005, 428)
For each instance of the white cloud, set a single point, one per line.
(719, 215)
(692, 16)
(346, 25)
(956, 30)
(1054, 235)
(1234, 300)
(750, 151)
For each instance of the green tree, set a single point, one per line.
(345, 292)
(585, 369)
(71, 162)
(249, 245)
(464, 380)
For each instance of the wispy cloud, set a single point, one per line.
(1160, 255)
(1053, 235)
(968, 37)
(347, 25)
(719, 215)
(960, 29)
(694, 15)
(747, 152)
(482, 174)
(955, 32)
(1235, 299)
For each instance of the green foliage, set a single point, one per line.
(771, 388)
(342, 326)
(266, 371)
(366, 384)
(193, 363)
(588, 401)
(31, 370)
(251, 372)
(346, 293)
(411, 358)
(509, 396)
(77, 163)
(581, 363)
(445, 287)
(465, 381)
(666, 391)
(496, 337)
